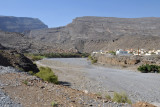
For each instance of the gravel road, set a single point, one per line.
(82, 75)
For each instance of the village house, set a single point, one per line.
(122, 52)
(157, 52)
(128, 52)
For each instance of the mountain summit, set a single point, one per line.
(20, 24)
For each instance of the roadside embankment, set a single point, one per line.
(17, 60)
(126, 61)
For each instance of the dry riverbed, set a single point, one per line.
(23, 90)
(78, 73)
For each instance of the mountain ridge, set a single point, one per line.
(87, 34)
(20, 24)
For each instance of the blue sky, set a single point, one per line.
(56, 13)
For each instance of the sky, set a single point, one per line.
(55, 13)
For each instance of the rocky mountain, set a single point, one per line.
(20, 24)
(21, 43)
(87, 34)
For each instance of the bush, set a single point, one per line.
(54, 104)
(47, 75)
(36, 58)
(31, 72)
(25, 82)
(65, 55)
(90, 57)
(108, 97)
(121, 98)
(99, 94)
(149, 68)
(112, 52)
(94, 61)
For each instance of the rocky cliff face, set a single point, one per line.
(87, 34)
(20, 24)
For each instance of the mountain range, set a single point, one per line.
(87, 34)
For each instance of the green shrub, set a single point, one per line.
(99, 94)
(25, 82)
(83, 56)
(17, 55)
(65, 55)
(108, 97)
(20, 69)
(31, 72)
(94, 61)
(90, 57)
(36, 58)
(153, 53)
(54, 104)
(149, 68)
(1, 51)
(121, 98)
(47, 75)
(112, 52)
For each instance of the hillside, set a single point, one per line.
(21, 43)
(88, 34)
(20, 24)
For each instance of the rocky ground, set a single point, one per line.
(30, 91)
(80, 74)
(5, 101)
(18, 88)
(16, 60)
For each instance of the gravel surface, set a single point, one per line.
(5, 100)
(82, 75)
(8, 70)
(37, 93)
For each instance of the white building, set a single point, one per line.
(121, 52)
(147, 54)
(158, 52)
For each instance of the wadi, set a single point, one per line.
(92, 61)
